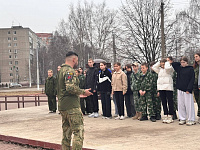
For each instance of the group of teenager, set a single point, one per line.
(143, 88)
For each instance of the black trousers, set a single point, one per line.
(167, 98)
(106, 104)
(93, 103)
(130, 107)
(120, 102)
(82, 102)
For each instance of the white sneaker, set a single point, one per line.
(169, 120)
(199, 120)
(190, 123)
(103, 117)
(165, 119)
(108, 118)
(122, 118)
(182, 122)
(117, 118)
(96, 115)
(116, 115)
(91, 115)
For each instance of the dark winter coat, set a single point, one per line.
(92, 78)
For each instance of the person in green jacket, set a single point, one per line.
(68, 92)
(50, 91)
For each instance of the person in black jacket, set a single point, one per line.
(129, 102)
(91, 83)
(105, 88)
(184, 84)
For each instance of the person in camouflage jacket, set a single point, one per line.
(145, 90)
(50, 91)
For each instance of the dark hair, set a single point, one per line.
(163, 60)
(195, 65)
(71, 53)
(170, 57)
(144, 64)
(152, 63)
(184, 59)
(117, 63)
(103, 62)
(77, 70)
(128, 66)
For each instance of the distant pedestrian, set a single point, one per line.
(119, 88)
(50, 91)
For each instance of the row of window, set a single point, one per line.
(10, 56)
(15, 38)
(9, 44)
(14, 32)
(10, 62)
(15, 51)
(11, 68)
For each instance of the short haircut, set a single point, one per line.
(104, 63)
(71, 53)
(135, 64)
(170, 57)
(144, 64)
(117, 63)
(163, 60)
(128, 66)
(184, 59)
(152, 63)
(91, 60)
(50, 70)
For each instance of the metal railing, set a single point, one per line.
(22, 99)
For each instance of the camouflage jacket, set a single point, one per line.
(134, 81)
(82, 81)
(68, 90)
(196, 71)
(154, 82)
(145, 82)
(50, 86)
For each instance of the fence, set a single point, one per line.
(22, 99)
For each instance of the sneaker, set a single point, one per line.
(144, 118)
(103, 117)
(96, 115)
(108, 118)
(153, 119)
(169, 120)
(199, 120)
(165, 119)
(182, 122)
(158, 117)
(117, 118)
(91, 115)
(116, 115)
(122, 118)
(190, 123)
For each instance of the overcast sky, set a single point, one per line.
(44, 15)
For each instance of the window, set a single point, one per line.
(15, 44)
(15, 38)
(14, 32)
(17, 68)
(11, 74)
(8, 32)
(15, 51)
(11, 68)
(15, 56)
(10, 56)
(10, 62)
(9, 44)
(16, 62)
(10, 50)
(9, 38)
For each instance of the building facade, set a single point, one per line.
(17, 50)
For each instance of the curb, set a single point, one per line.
(32, 142)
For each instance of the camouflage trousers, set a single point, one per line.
(175, 99)
(72, 123)
(197, 98)
(156, 104)
(136, 100)
(146, 103)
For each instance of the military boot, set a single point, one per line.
(136, 116)
(139, 115)
(144, 118)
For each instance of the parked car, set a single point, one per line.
(15, 85)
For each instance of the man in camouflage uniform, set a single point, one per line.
(69, 103)
(155, 94)
(134, 87)
(145, 87)
(50, 91)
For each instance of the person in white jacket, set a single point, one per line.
(165, 88)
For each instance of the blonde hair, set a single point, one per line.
(50, 70)
(91, 60)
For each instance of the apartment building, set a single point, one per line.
(17, 49)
